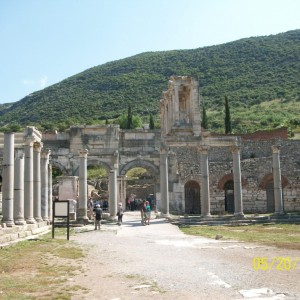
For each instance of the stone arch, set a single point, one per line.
(269, 177)
(228, 177)
(192, 197)
(224, 180)
(267, 184)
(229, 196)
(59, 166)
(139, 163)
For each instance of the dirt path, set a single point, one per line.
(158, 261)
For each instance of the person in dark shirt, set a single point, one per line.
(98, 216)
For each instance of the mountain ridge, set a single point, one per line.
(249, 71)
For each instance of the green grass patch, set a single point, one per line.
(279, 235)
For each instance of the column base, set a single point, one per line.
(20, 222)
(9, 223)
(31, 221)
(206, 215)
(164, 215)
(239, 215)
(38, 219)
(83, 220)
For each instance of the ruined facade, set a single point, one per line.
(193, 171)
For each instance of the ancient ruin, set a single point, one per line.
(193, 171)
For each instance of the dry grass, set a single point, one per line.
(279, 235)
(39, 269)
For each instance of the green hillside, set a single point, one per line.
(249, 71)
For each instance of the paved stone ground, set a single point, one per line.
(160, 262)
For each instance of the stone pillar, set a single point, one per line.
(45, 185)
(112, 207)
(28, 182)
(237, 181)
(37, 181)
(205, 195)
(277, 180)
(164, 184)
(50, 191)
(82, 213)
(8, 180)
(122, 190)
(19, 189)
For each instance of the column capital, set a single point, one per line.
(163, 150)
(45, 153)
(83, 153)
(275, 148)
(235, 148)
(29, 141)
(37, 146)
(203, 149)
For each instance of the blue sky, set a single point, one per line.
(46, 41)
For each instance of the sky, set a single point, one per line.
(43, 42)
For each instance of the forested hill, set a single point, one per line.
(249, 71)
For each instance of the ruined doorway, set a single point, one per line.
(270, 197)
(229, 196)
(192, 198)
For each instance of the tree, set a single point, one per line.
(227, 117)
(151, 122)
(129, 118)
(123, 121)
(204, 123)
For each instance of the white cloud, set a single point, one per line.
(43, 81)
(28, 82)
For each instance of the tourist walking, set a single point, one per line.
(142, 208)
(148, 212)
(120, 213)
(98, 216)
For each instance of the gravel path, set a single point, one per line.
(158, 261)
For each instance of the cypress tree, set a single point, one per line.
(204, 123)
(227, 117)
(129, 118)
(151, 122)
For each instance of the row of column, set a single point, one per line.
(205, 194)
(26, 176)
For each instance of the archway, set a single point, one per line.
(270, 196)
(229, 196)
(267, 183)
(192, 197)
(142, 178)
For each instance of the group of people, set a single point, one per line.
(144, 207)
(145, 210)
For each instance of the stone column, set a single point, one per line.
(37, 181)
(28, 182)
(19, 189)
(176, 105)
(112, 207)
(8, 180)
(164, 184)
(82, 212)
(45, 185)
(277, 180)
(205, 195)
(237, 181)
(50, 191)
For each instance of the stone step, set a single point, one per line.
(18, 232)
